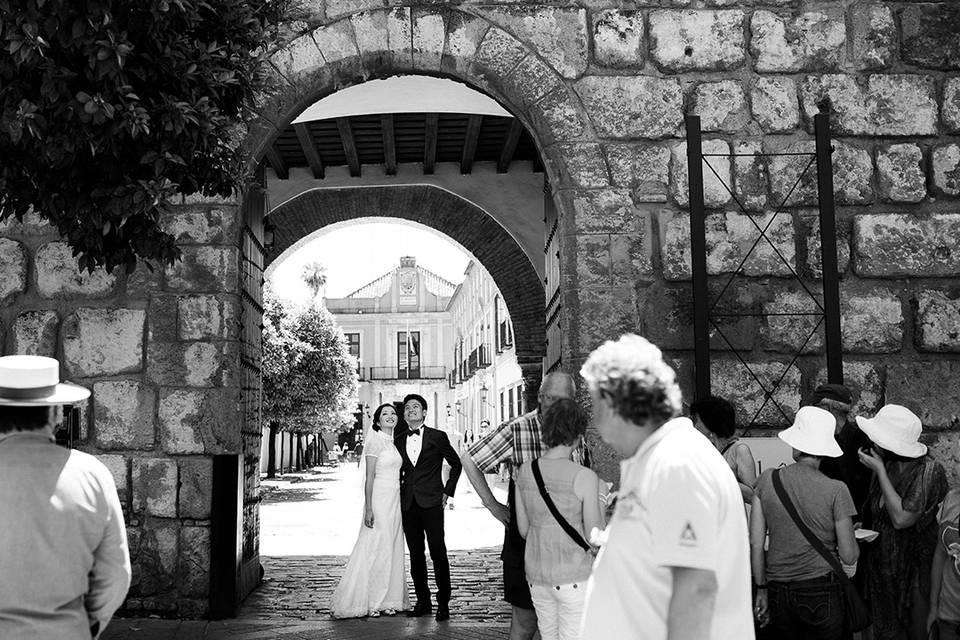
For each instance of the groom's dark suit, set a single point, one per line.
(421, 505)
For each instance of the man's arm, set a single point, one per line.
(691, 604)
(450, 455)
(110, 575)
(499, 510)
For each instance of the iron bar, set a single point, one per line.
(698, 258)
(828, 249)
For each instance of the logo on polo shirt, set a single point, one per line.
(688, 537)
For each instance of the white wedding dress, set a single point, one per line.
(375, 578)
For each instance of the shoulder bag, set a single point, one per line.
(566, 526)
(855, 609)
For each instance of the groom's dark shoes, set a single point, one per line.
(421, 609)
(443, 612)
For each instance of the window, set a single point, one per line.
(503, 408)
(353, 342)
(512, 405)
(408, 355)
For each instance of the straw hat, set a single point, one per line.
(812, 433)
(33, 381)
(896, 429)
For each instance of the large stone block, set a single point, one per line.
(793, 178)
(202, 421)
(120, 470)
(668, 321)
(618, 38)
(556, 34)
(31, 225)
(59, 274)
(606, 211)
(103, 342)
(810, 41)
(202, 225)
(871, 322)
(579, 165)
(196, 487)
(697, 40)
(192, 364)
(852, 174)
(717, 182)
(633, 107)
(155, 487)
(464, 35)
(865, 381)
(631, 256)
(900, 173)
(774, 104)
(722, 106)
(729, 237)
(643, 168)
(788, 327)
(35, 333)
(750, 179)
(207, 317)
(890, 105)
(153, 553)
(731, 380)
(205, 268)
(908, 380)
(557, 117)
(874, 36)
(946, 169)
(13, 268)
(124, 413)
(897, 245)
(938, 321)
(929, 35)
(813, 263)
(597, 314)
(951, 105)
(193, 562)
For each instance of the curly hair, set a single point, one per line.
(631, 372)
(563, 423)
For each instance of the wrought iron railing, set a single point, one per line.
(401, 373)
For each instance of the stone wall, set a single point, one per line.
(160, 353)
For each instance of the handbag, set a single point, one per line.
(856, 610)
(566, 526)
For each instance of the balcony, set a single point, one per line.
(395, 373)
(479, 358)
(452, 380)
(361, 374)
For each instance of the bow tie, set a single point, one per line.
(414, 432)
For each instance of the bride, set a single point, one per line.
(375, 579)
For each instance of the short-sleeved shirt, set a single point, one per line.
(820, 502)
(514, 442)
(949, 519)
(678, 506)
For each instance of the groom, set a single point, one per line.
(422, 499)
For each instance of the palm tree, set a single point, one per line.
(314, 274)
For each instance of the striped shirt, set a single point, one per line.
(514, 442)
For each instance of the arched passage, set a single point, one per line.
(449, 214)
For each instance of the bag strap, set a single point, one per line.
(814, 541)
(566, 526)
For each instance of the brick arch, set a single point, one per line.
(531, 83)
(445, 212)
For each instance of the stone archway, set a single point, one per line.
(443, 211)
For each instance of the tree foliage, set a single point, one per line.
(110, 107)
(309, 376)
(314, 275)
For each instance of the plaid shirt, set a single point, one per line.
(514, 442)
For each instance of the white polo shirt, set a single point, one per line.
(679, 505)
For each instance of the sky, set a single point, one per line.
(362, 251)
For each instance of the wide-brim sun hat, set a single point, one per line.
(895, 429)
(34, 381)
(812, 433)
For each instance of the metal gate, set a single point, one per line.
(706, 313)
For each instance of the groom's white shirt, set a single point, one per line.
(415, 444)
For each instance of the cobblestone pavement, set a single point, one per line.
(309, 523)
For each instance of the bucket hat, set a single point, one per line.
(33, 381)
(812, 433)
(896, 429)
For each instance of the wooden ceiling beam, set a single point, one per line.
(509, 146)
(389, 144)
(279, 166)
(470, 142)
(309, 146)
(349, 146)
(431, 128)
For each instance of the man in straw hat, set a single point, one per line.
(64, 560)
(675, 563)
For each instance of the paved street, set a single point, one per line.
(309, 523)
